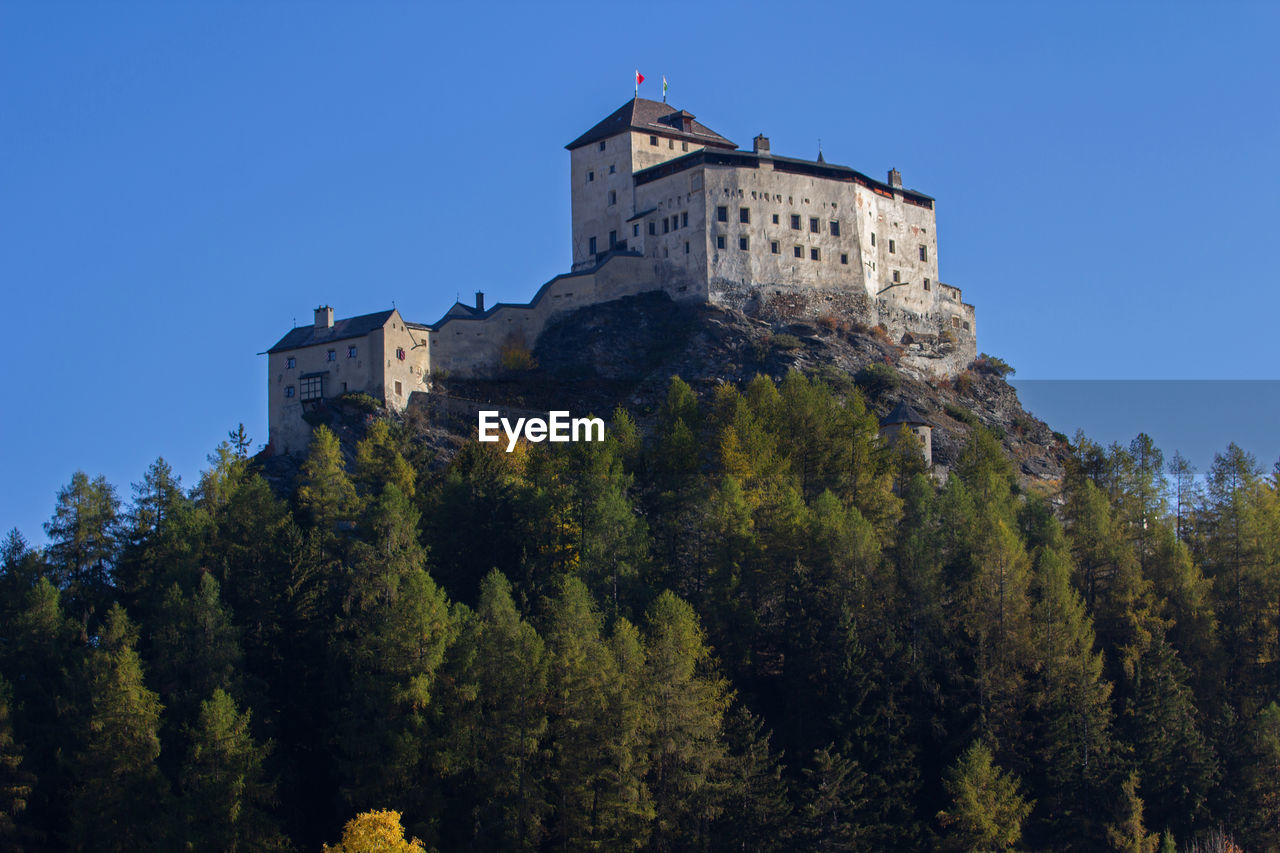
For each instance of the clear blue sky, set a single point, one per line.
(179, 181)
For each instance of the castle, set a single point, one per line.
(662, 202)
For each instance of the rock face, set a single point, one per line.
(624, 353)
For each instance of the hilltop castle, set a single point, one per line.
(662, 202)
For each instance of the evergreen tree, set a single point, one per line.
(15, 780)
(225, 799)
(83, 544)
(379, 462)
(195, 649)
(325, 494)
(987, 809)
(1127, 834)
(833, 796)
(393, 631)
(757, 811)
(120, 792)
(688, 699)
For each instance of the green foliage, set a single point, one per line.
(361, 402)
(991, 364)
(878, 379)
(987, 809)
(785, 342)
(325, 494)
(962, 414)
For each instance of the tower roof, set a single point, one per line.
(652, 117)
(904, 414)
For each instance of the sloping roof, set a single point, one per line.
(904, 414)
(352, 327)
(651, 117)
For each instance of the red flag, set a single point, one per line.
(639, 78)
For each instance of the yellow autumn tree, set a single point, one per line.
(375, 832)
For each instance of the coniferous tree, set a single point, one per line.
(987, 808)
(379, 463)
(689, 699)
(119, 790)
(83, 545)
(15, 780)
(393, 631)
(757, 810)
(1128, 834)
(225, 798)
(833, 796)
(325, 494)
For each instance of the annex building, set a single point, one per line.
(662, 202)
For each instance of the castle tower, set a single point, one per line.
(903, 415)
(602, 161)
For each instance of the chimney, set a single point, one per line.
(324, 317)
(480, 301)
(760, 144)
(895, 178)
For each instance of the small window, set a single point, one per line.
(684, 219)
(312, 388)
(844, 259)
(635, 230)
(684, 146)
(897, 276)
(591, 246)
(671, 143)
(813, 255)
(873, 238)
(773, 247)
(288, 390)
(835, 228)
(795, 222)
(926, 284)
(666, 225)
(601, 144)
(813, 225)
(719, 241)
(653, 140)
(775, 219)
(591, 176)
(351, 352)
(613, 169)
(653, 228)
(613, 239)
(798, 251)
(686, 247)
(924, 253)
(744, 214)
(332, 356)
(399, 389)
(722, 214)
(892, 248)
(613, 196)
(400, 353)
(743, 243)
(290, 363)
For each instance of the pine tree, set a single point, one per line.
(757, 810)
(688, 699)
(83, 544)
(16, 781)
(325, 494)
(833, 797)
(195, 649)
(1127, 834)
(225, 799)
(987, 809)
(380, 463)
(392, 636)
(120, 791)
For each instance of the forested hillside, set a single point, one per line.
(756, 628)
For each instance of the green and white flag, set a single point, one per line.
(664, 88)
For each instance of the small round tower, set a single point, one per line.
(903, 415)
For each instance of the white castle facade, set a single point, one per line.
(661, 202)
